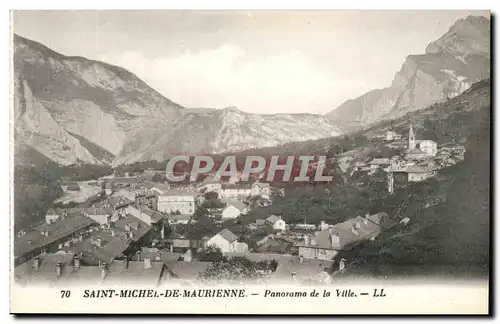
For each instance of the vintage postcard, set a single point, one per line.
(250, 162)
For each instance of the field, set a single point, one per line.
(86, 191)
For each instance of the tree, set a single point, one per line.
(361, 140)
(211, 254)
(211, 195)
(236, 269)
(157, 177)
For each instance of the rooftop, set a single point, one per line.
(135, 272)
(98, 211)
(46, 273)
(133, 225)
(117, 202)
(180, 193)
(187, 270)
(156, 216)
(57, 230)
(228, 235)
(273, 219)
(350, 239)
(237, 203)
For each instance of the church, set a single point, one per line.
(420, 149)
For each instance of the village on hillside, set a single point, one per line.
(141, 228)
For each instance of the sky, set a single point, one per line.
(260, 61)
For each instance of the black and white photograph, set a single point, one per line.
(250, 161)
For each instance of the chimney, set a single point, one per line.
(301, 259)
(76, 262)
(59, 266)
(125, 262)
(138, 256)
(354, 230)
(104, 270)
(113, 232)
(358, 224)
(147, 262)
(80, 238)
(307, 241)
(172, 248)
(98, 242)
(365, 221)
(36, 263)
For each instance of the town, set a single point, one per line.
(142, 229)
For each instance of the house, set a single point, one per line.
(99, 215)
(176, 201)
(235, 191)
(291, 268)
(234, 209)
(417, 173)
(299, 269)
(53, 215)
(211, 185)
(324, 226)
(428, 146)
(304, 226)
(276, 222)
(155, 187)
(260, 189)
(44, 270)
(179, 218)
(136, 230)
(119, 203)
(420, 149)
(46, 238)
(379, 163)
(140, 197)
(392, 136)
(343, 236)
(317, 247)
(100, 248)
(108, 188)
(227, 242)
(183, 272)
(186, 248)
(144, 271)
(146, 215)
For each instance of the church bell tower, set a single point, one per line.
(411, 139)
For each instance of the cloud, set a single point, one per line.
(231, 76)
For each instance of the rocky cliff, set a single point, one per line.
(449, 66)
(74, 110)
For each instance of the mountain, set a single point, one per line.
(75, 110)
(449, 66)
(225, 130)
(449, 120)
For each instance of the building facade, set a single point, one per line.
(179, 202)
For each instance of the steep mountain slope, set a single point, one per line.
(455, 116)
(60, 100)
(224, 130)
(449, 66)
(74, 110)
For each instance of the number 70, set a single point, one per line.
(65, 293)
